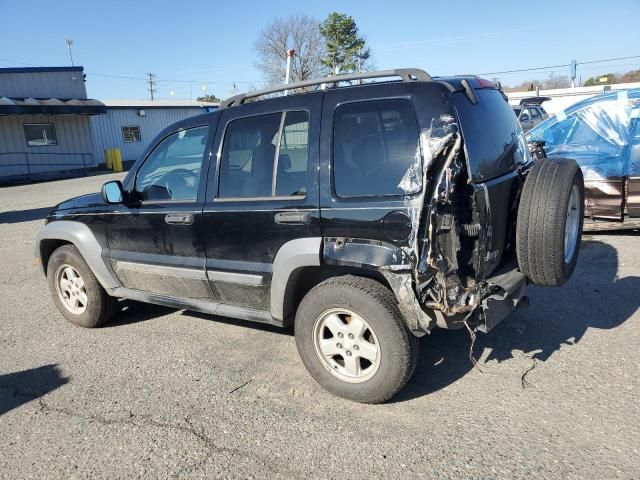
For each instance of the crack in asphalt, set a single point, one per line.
(523, 379)
(143, 421)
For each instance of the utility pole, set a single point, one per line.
(290, 54)
(69, 42)
(152, 84)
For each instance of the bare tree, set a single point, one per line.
(556, 81)
(298, 32)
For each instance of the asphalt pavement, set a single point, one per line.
(160, 393)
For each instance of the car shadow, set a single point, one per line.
(25, 386)
(130, 312)
(19, 216)
(594, 298)
(265, 327)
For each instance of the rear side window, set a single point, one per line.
(375, 144)
(265, 156)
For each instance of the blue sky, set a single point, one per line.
(211, 42)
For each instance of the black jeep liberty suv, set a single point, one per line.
(364, 212)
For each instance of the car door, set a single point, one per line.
(370, 152)
(154, 237)
(536, 116)
(633, 182)
(262, 195)
(526, 119)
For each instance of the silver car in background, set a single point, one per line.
(530, 112)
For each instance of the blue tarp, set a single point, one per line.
(600, 133)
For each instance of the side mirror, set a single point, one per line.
(524, 117)
(112, 192)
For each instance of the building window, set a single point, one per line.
(40, 134)
(131, 134)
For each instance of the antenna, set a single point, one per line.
(69, 41)
(152, 84)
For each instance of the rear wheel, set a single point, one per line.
(353, 340)
(550, 219)
(75, 290)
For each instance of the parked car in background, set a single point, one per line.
(530, 112)
(602, 134)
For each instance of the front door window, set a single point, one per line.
(172, 170)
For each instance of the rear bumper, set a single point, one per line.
(494, 308)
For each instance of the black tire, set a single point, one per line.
(377, 305)
(100, 308)
(542, 219)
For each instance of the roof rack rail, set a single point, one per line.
(407, 75)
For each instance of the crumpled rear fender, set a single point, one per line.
(391, 261)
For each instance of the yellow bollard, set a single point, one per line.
(107, 158)
(117, 160)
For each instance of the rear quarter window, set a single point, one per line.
(375, 143)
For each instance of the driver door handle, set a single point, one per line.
(179, 219)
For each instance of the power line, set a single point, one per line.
(8, 60)
(590, 68)
(169, 80)
(520, 70)
(109, 75)
(611, 59)
(213, 82)
(132, 77)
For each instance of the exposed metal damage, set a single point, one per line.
(450, 269)
(440, 277)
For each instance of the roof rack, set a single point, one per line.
(407, 75)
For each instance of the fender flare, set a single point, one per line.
(295, 254)
(81, 236)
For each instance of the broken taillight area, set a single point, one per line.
(448, 257)
(456, 236)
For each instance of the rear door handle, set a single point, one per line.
(179, 219)
(295, 218)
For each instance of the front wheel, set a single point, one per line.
(75, 290)
(353, 341)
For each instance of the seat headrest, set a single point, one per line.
(262, 159)
(368, 153)
(284, 162)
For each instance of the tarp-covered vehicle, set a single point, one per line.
(602, 134)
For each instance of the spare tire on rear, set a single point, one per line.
(550, 218)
